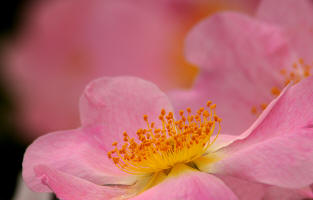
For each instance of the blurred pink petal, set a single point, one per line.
(65, 44)
(296, 17)
(238, 68)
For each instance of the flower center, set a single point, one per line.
(297, 73)
(178, 141)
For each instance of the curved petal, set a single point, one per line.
(279, 149)
(73, 152)
(297, 20)
(68, 187)
(191, 185)
(238, 68)
(119, 104)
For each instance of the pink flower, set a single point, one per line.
(243, 71)
(65, 44)
(171, 159)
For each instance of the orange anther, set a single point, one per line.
(213, 106)
(188, 110)
(263, 106)
(275, 91)
(181, 112)
(254, 110)
(155, 144)
(283, 71)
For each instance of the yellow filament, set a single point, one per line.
(178, 141)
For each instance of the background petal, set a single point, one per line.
(296, 17)
(119, 105)
(238, 68)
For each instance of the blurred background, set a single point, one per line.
(50, 49)
(11, 147)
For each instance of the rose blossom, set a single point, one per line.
(183, 158)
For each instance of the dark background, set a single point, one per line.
(11, 149)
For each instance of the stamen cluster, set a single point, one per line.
(160, 148)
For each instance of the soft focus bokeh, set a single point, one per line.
(51, 49)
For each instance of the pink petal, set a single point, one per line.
(260, 46)
(189, 186)
(74, 152)
(239, 68)
(274, 193)
(297, 19)
(279, 149)
(245, 190)
(119, 105)
(68, 187)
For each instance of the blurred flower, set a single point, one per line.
(171, 159)
(65, 44)
(242, 71)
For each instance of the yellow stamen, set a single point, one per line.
(178, 141)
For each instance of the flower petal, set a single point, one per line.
(74, 152)
(261, 45)
(279, 149)
(297, 19)
(189, 186)
(68, 187)
(239, 68)
(245, 190)
(274, 193)
(119, 104)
